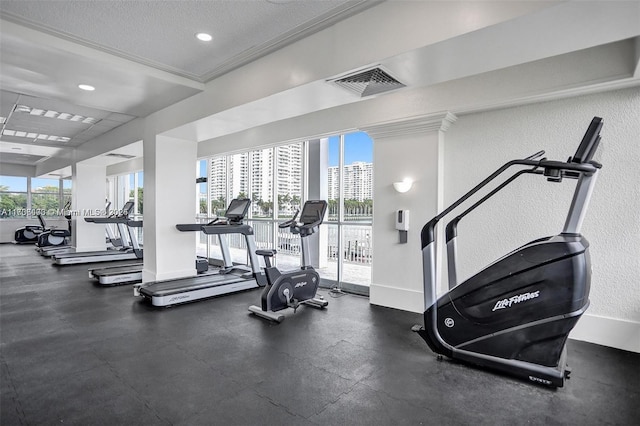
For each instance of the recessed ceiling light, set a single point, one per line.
(34, 136)
(86, 87)
(204, 37)
(54, 114)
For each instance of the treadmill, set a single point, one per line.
(124, 253)
(229, 280)
(121, 274)
(132, 273)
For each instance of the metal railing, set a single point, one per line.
(358, 246)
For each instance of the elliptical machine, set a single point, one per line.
(293, 288)
(28, 234)
(515, 315)
(57, 237)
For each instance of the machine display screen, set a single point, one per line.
(589, 142)
(313, 211)
(237, 209)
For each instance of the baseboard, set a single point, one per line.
(612, 332)
(397, 298)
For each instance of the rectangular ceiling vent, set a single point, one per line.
(125, 156)
(369, 82)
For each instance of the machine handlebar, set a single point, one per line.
(291, 222)
(580, 163)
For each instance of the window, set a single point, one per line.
(24, 197)
(273, 178)
(262, 183)
(66, 192)
(13, 197)
(218, 186)
(123, 188)
(350, 197)
(289, 179)
(45, 195)
(201, 189)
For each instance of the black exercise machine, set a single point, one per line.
(515, 315)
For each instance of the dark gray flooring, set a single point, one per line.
(76, 353)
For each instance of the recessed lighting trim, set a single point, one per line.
(35, 136)
(204, 37)
(55, 114)
(86, 87)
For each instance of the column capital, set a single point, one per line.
(421, 124)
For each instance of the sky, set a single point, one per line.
(358, 146)
(19, 184)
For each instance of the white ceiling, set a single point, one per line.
(142, 55)
(143, 58)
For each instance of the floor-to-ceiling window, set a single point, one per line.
(121, 189)
(25, 197)
(273, 179)
(350, 196)
(276, 181)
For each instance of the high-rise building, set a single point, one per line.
(358, 181)
(252, 175)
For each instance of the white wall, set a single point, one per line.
(409, 149)
(479, 143)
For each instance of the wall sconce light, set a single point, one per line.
(403, 186)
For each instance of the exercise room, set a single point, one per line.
(319, 212)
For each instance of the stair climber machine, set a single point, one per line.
(298, 287)
(515, 315)
(190, 289)
(126, 252)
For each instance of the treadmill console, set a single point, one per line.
(236, 211)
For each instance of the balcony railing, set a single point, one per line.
(357, 242)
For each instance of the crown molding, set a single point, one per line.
(440, 121)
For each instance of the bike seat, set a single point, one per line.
(266, 253)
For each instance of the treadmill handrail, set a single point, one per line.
(227, 229)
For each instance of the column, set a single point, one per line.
(407, 149)
(169, 199)
(88, 196)
(318, 160)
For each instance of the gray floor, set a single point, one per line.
(76, 353)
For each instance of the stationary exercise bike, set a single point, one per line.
(294, 288)
(515, 315)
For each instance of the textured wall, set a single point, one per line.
(477, 144)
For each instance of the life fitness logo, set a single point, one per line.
(506, 303)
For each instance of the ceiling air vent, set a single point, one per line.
(369, 82)
(113, 154)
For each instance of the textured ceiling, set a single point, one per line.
(141, 55)
(162, 33)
